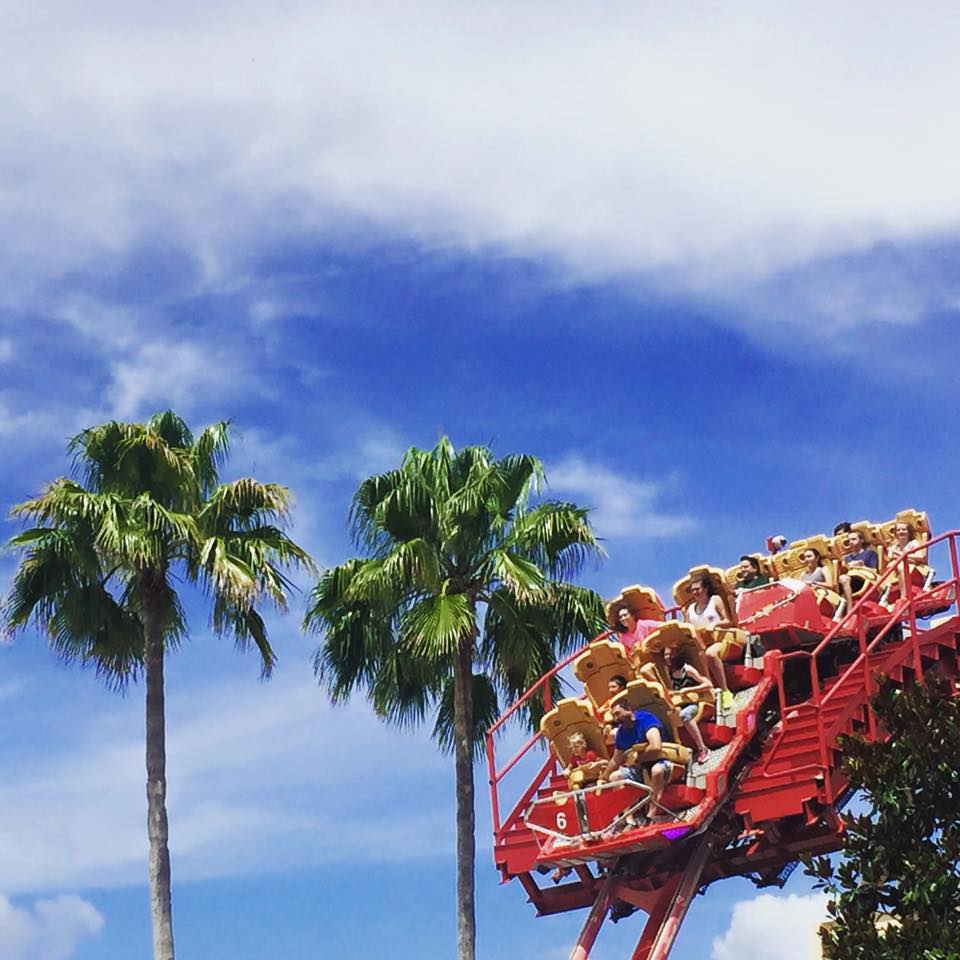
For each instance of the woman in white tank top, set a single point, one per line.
(706, 612)
(709, 616)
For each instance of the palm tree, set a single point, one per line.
(460, 574)
(98, 573)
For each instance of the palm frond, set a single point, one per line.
(521, 577)
(170, 429)
(433, 627)
(244, 504)
(66, 503)
(392, 506)
(414, 563)
(102, 553)
(474, 483)
(374, 585)
(518, 632)
(405, 513)
(557, 537)
(209, 452)
(60, 586)
(404, 688)
(519, 475)
(247, 628)
(249, 566)
(134, 458)
(355, 636)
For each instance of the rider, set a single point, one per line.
(637, 727)
(749, 575)
(705, 613)
(860, 557)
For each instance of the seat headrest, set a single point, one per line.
(641, 601)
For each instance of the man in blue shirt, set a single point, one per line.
(858, 559)
(637, 727)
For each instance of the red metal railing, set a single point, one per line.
(904, 612)
(496, 776)
(543, 687)
(905, 609)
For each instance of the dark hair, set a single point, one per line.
(619, 679)
(620, 627)
(844, 526)
(706, 582)
(815, 552)
(677, 659)
(753, 561)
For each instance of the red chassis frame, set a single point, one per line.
(777, 793)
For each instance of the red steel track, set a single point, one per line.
(774, 795)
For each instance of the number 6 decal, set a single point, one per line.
(561, 821)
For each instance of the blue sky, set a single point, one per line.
(705, 266)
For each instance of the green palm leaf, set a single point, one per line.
(445, 534)
(433, 627)
(97, 569)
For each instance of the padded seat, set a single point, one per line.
(572, 716)
(641, 601)
(731, 575)
(787, 565)
(650, 696)
(681, 638)
(733, 643)
(732, 640)
(921, 573)
(861, 578)
(648, 656)
(645, 606)
(916, 519)
(594, 668)
(683, 596)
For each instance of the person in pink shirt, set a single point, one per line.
(633, 631)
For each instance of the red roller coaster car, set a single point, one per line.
(802, 667)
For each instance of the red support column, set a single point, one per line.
(655, 922)
(591, 926)
(663, 925)
(912, 609)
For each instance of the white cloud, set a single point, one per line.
(50, 930)
(714, 149)
(622, 506)
(141, 378)
(769, 927)
(261, 776)
(359, 448)
(30, 426)
(160, 375)
(6, 350)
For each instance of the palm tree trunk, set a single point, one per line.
(463, 758)
(161, 909)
